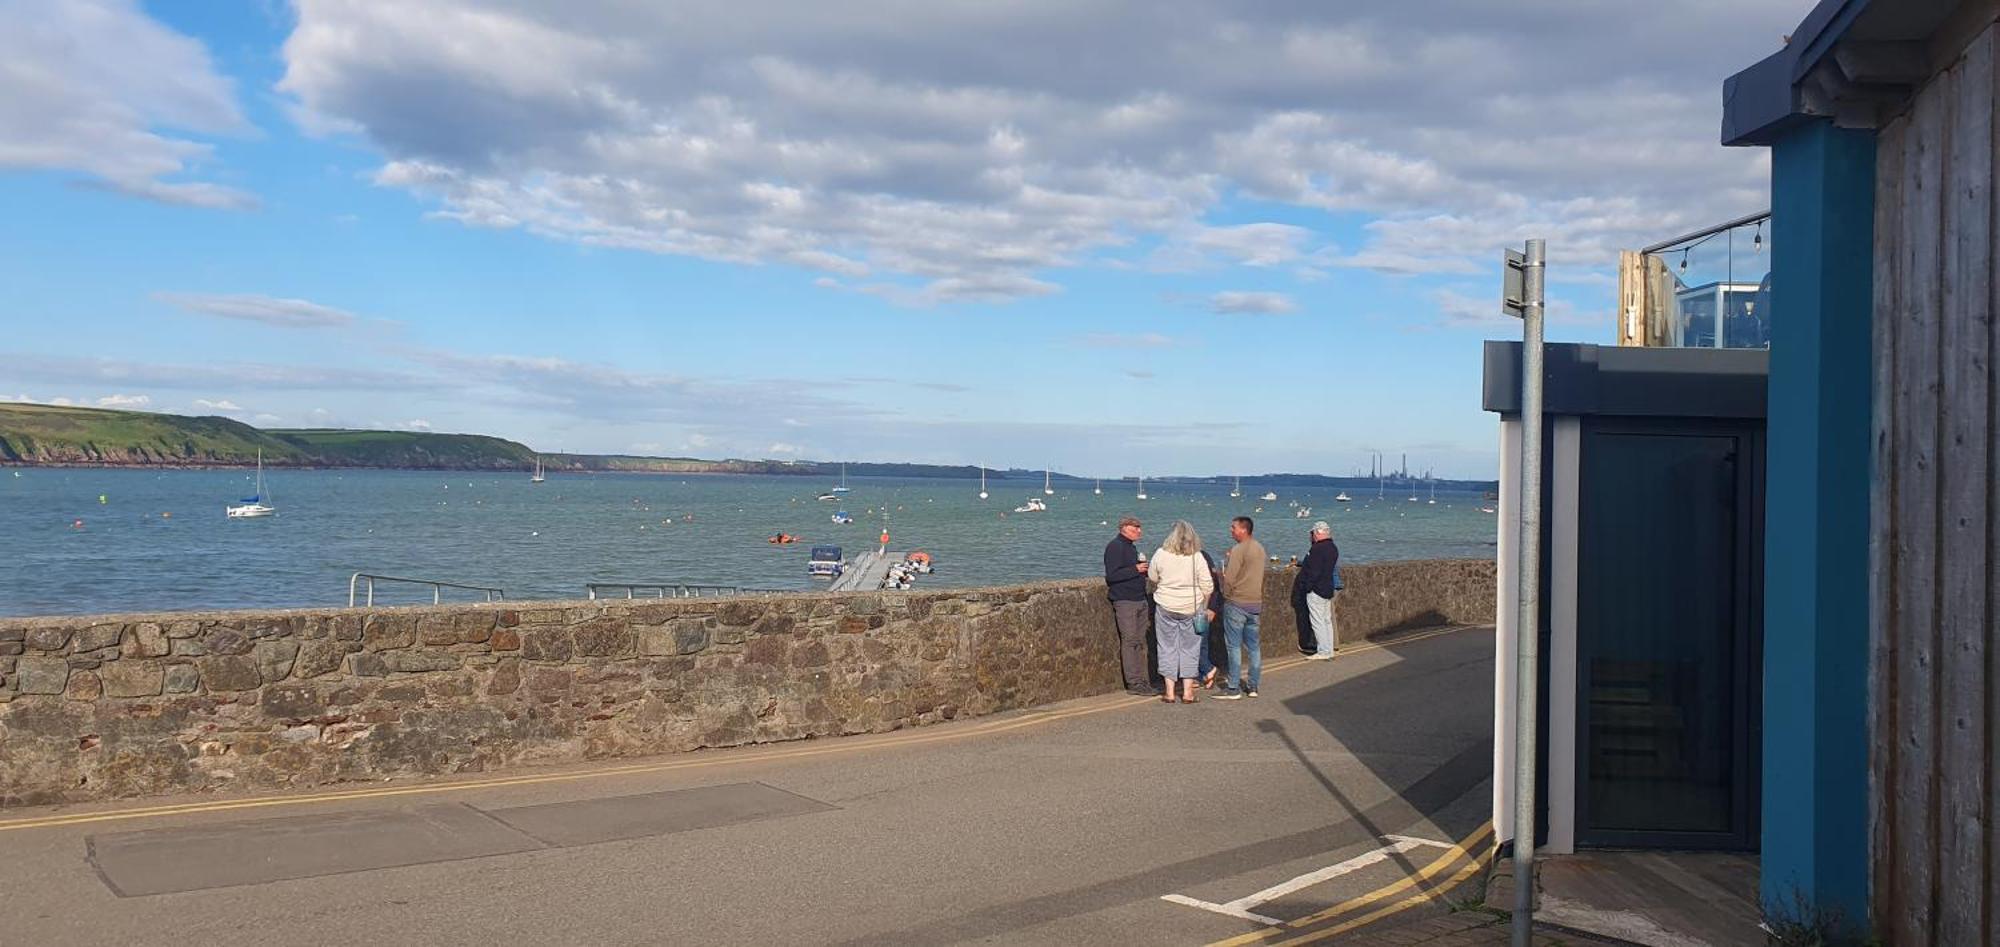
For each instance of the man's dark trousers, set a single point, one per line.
(1132, 634)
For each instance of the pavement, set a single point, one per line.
(1349, 801)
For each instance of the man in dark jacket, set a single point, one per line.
(1312, 595)
(1125, 582)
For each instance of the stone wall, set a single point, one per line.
(114, 706)
(1386, 597)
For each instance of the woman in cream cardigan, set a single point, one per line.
(1181, 584)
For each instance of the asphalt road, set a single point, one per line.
(1063, 825)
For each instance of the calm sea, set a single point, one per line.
(157, 540)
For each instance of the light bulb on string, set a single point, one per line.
(1757, 242)
(1684, 261)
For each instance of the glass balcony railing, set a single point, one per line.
(1708, 289)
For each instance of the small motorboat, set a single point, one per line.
(1303, 512)
(828, 497)
(842, 517)
(1342, 497)
(826, 562)
(1268, 497)
(1034, 505)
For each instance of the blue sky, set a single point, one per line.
(1113, 238)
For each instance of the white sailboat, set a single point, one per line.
(843, 481)
(1237, 490)
(1434, 493)
(1047, 490)
(253, 505)
(1098, 489)
(1142, 487)
(982, 483)
(537, 478)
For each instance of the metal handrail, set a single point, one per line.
(674, 589)
(437, 588)
(1743, 221)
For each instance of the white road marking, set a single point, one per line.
(1240, 908)
(1221, 909)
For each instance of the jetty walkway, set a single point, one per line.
(1351, 794)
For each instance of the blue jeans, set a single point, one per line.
(1202, 629)
(1239, 634)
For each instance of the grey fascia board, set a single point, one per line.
(1762, 103)
(1583, 379)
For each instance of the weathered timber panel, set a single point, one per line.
(1937, 442)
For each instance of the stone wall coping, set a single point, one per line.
(609, 604)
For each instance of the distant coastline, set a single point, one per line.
(52, 436)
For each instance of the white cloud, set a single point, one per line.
(1240, 302)
(414, 424)
(1256, 245)
(941, 153)
(783, 450)
(124, 401)
(223, 405)
(268, 310)
(98, 87)
(1459, 307)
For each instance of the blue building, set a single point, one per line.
(1771, 560)
(1880, 710)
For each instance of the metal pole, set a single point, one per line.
(1527, 626)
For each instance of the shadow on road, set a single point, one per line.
(1439, 689)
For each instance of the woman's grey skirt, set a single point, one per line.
(1180, 647)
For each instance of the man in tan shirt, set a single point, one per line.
(1242, 603)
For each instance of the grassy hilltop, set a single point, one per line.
(48, 434)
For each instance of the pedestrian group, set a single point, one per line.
(1181, 592)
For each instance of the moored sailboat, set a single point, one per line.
(254, 504)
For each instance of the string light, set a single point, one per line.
(1757, 242)
(1684, 260)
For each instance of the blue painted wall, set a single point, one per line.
(1815, 808)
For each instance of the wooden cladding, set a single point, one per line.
(1935, 669)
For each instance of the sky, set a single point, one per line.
(1157, 236)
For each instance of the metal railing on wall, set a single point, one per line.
(361, 588)
(671, 590)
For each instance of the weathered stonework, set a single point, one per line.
(112, 706)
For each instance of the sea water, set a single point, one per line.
(90, 541)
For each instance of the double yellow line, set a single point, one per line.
(739, 756)
(1431, 882)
